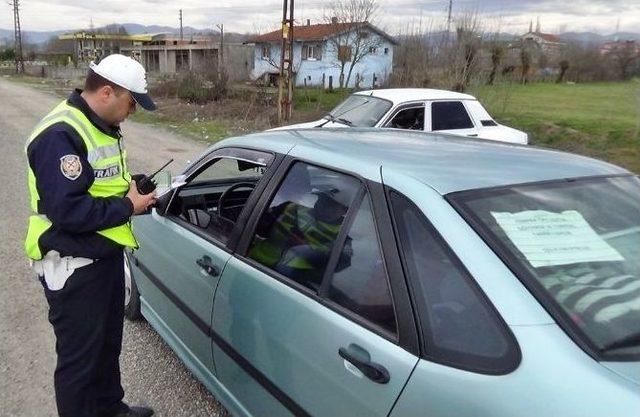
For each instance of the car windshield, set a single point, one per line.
(580, 241)
(360, 111)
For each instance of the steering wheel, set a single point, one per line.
(220, 207)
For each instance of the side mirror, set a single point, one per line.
(162, 203)
(165, 189)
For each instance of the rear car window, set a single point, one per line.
(449, 115)
(460, 327)
(359, 281)
(577, 245)
(296, 233)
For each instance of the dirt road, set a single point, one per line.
(151, 372)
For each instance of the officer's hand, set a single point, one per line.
(141, 203)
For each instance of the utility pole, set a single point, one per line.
(180, 24)
(221, 52)
(285, 85)
(449, 16)
(17, 37)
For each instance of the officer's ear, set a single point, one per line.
(106, 93)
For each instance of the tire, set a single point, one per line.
(131, 294)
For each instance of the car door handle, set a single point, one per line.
(373, 371)
(472, 134)
(207, 266)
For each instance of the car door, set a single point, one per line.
(450, 116)
(184, 251)
(310, 316)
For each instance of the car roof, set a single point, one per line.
(446, 163)
(401, 95)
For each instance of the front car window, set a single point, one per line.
(215, 195)
(411, 118)
(578, 243)
(360, 111)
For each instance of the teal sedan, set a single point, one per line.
(384, 273)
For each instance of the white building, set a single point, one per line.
(319, 51)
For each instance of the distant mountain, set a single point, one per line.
(28, 36)
(40, 37)
(594, 38)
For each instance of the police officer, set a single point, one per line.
(82, 199)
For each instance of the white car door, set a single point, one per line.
(450, 116)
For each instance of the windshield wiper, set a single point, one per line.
(338, 119)
(628, 341)
(332, 118)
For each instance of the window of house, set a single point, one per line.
(460, 328)
(373, 49)
(295, 235)
(265, 52)
(449, 115)
(359, 281)
(386, 51)
(311, 52)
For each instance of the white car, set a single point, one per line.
(417, 109)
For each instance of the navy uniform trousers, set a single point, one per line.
(87, 316)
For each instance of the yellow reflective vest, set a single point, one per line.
(103, 151)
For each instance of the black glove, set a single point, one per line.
(144, 184)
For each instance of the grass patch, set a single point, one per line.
(317, 99)
(199, 128)
(601, 120)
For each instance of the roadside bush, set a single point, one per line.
(200, 89)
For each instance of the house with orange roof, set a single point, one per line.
(324, 54)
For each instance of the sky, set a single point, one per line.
(395, 16)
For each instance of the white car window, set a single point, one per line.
(449, 115)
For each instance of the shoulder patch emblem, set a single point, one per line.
(70, 166)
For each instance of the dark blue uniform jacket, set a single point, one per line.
(75, 214)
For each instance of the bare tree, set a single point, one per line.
(624, 55)
(585, 63)
(415, 57)
(564, 66)
(463, 54)
(353, 37)
(497, 50)
(525, 62)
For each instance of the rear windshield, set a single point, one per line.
(578, 244)
(361, 111)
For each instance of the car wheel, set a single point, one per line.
(131, 295)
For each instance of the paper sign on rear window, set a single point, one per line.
(549, 239)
